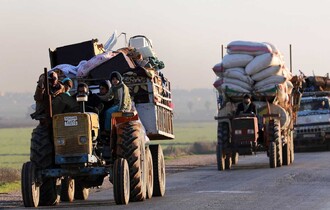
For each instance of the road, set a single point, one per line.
(249, 185)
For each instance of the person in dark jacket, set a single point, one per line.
(121, 98)
(247, 106)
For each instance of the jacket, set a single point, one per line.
(121, 94)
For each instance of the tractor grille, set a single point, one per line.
(70, 132)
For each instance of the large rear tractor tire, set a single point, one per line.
(272, 155)
(220, 158)
(80, 191)
(150, 174)
(67, 189)
(30, 188)
(278, 141)
(223, 141)
(275, 147)
(130, 146)
(42, 155)
(159, 170)
(121, 182)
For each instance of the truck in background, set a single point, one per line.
(312, 130)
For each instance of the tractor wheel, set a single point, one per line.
(228, 162)
(29, 186)
(223, 139)
(159, 170)
(121, 182)
(272, 155)
(42, 155)
(150, 173)
(286, 152)
(234, 158)
(220, 158)
(291, 147)
(80, 192)
(67, 189)
(130, 146)
(278, 141)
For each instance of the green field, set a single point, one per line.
(15, 142)
(14, 147)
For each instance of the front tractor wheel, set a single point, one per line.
(234, 157)
(29, 186)
(121, 182)
(67, 189)
(80, 191)
(228, 162)
(159, 170)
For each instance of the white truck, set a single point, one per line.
(312, 130)
(313, 123)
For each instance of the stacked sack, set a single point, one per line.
(252, 67)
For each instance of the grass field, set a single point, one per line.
(15, 142)
(14, 147)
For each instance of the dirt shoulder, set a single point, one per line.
(176, 165)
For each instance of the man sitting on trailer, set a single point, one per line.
(247, 106)
(122, 99)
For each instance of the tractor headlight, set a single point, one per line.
(238, 132)
(60, 141)
(250, 131)
(82, 140)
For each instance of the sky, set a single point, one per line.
(186, 34)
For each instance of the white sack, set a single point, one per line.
(238, 73)
(238, 83)
(233, 87)
(218, 69)
(246, 47)
(236, 60)
(289, 87)
(218, 83)
(270, 80)
(263, 74)
(261, 62)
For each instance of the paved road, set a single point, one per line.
(249, 185)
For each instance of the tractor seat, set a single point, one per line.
(124, 114)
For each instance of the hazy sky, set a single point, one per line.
(186, 34)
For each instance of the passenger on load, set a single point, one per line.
(122, 99)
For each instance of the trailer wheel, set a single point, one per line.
(272, 155)
(30, 187)
(291, 147)
(159, 170)
(130, 146)
(234, 158)
(121, 181)
(42, 155)
(150, 173)
(287, 152)
(80, 192)
(220, 158)
(67, 189)
(228, 162)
